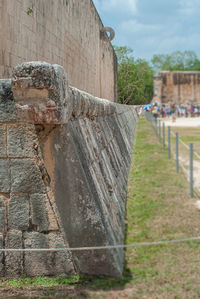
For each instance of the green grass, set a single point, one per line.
(41, 281)
(154, 192)
(187, 135)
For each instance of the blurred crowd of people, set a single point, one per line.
(172, 110)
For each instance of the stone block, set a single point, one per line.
(7, 104)
(2, 219)
(3, 141)
(39, 212)
(61, 261)
(18, 212)
(26, 176)
(52, 211)
(4, 175)
(46, 263)
(40, 91)
(1, 257)
(76, 102)
(13, 260)
(177, 86)
(2, 214)
(21, 140)
(36, 263)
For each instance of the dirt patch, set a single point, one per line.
(50, 293)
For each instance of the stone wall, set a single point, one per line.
(65, 32)
(177, 87)
(64, 158)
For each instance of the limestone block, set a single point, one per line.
(76, 102)
(107, 134)
(13, 261)
(2, 219)
(4, 176)
(21, 141)
(86, 105)
(40, 91)
(7, 104)
(1, 256)
(3, 141)
(39, 212)
(2, 214)
(26, 176)
(115, 162)
(46, 263)
(61, 260)
(18, 212)
(36, 263)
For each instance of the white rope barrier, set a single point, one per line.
(184, 169)
(186, 146)
(100, 247)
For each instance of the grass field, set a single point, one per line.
(158, 208)
(187, 135)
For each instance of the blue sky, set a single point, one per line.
(153, 26)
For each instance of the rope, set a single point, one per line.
(185, 171)
(186, 146)
(100, 247)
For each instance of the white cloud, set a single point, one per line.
(189, 7)
(128, 6)
(179, 42)
(153, 26)
(132, 26)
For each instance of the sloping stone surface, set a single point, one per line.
(91, 171)
(62, 183)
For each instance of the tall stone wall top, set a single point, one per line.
(64, 165)
(64, 32)
(177, 87)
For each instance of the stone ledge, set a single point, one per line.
(40, 91)
(43, 96)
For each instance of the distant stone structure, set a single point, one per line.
(64, 165)
(65, 32)
(177, 87)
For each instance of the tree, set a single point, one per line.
(135, 78)
(176, 61)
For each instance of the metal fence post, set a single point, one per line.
(177, 154)
(160, 130)
(157, 128)
(163, 135)
(191, 169)
(169, 142)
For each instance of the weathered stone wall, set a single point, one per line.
(65, 32)
(28, 216)
(64, 165)
(178, 87)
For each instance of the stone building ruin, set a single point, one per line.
(177, 87)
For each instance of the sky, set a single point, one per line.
(153, 26)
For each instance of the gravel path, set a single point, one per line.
(182, 122)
